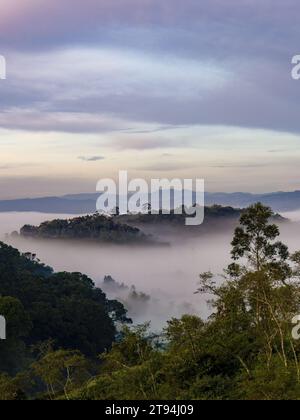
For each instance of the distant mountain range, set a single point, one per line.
(279, 201)
(55, 205)
(86, 203)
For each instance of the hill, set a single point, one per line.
(94, 227)
(134, 228)
(39, 305)
(86, 203)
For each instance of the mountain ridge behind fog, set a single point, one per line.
(86, 203)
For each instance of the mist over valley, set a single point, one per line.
(167, 274)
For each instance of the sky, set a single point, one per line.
(161, 88)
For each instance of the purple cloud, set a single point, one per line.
(251, 40)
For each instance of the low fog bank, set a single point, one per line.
(294, 216)
(169, 274)
(290, 232)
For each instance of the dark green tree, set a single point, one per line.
(18, 326)
(255, 240)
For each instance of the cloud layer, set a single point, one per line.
(171, 62)
(142, 76)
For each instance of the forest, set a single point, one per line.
(67, 341)
(94, 227)
(148, 227)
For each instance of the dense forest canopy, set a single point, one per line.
(244, 350)
(94, 227)
(39, 305)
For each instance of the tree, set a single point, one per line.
(18, 326)
(255, 305)
(10, 389)
(62, 371)
(254, 240)
(244, 350)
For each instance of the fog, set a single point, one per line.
(169, 274)
(292, 215)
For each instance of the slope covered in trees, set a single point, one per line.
(245, 350)
(40, 306)
(214, 215)
(95, 227)
(131, 228)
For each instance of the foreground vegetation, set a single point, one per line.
(50, 311)
(245, 350)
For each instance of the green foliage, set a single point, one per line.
(61, 371)
(40, 306)
(18, 326)
(212, 215)
(244, 351)
(254, 240)
(93, 227)
(11, 388)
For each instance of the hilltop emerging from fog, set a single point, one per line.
(94, 227)
(133, 228)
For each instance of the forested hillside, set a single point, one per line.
(142, 228)
(245, 350)
(47, 310)
(94, 227)
(58, 323)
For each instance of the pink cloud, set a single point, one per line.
(55, 17)
(13, 12)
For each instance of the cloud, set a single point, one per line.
(36, 120)
(169, 63)
(96, 90)
(238, 165)
(281, 150)
(209, 78)
(142, 143)
(167, 167)
(91, 158)
(38, 23)
(19, 165)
